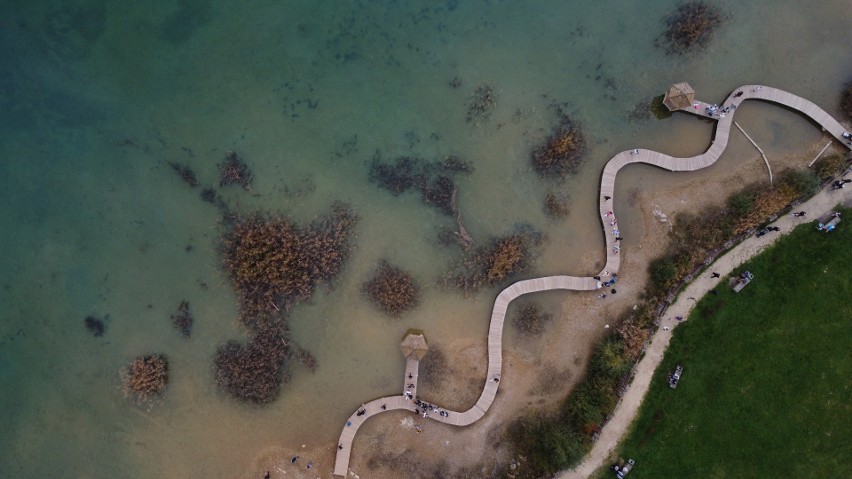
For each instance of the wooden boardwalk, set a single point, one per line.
(574, 283)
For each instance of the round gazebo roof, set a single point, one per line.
(679, 95)
(414, 344)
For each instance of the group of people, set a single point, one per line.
(613, 222)
(427, 408)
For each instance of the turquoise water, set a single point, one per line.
(98, 97)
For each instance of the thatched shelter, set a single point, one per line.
(680, 95)
(414, 344)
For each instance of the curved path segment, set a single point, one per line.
(613, 256)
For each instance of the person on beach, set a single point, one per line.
(799, 214)
(714, 275)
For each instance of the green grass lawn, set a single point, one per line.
(767, 383)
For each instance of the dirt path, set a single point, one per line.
(627, 408)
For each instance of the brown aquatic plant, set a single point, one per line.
(182, 319)
(235, 171)
(255, 371)
(145, 378)
(691, 26)
(531, 319)
(556, 206)
(392, 290)
(274, 263)
(561, 153)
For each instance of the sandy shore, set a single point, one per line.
(537, 374)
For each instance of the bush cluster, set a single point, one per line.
(556, 206)
(531, 319)
(552, 442)
(433, 179)
(697, 235)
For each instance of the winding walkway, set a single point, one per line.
(613, 256)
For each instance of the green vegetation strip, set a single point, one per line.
(767, 382)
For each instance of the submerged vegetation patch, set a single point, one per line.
(186, 174)
(433, 179)
(145, 378)
(502, 259)
(235, 171)
(273, 262)
(481, 104)
(556, 205)
(691, 26)
(182, 319)
(531, 319)
(95, 325)
(392, 290)
(255, 371)
(562, 152)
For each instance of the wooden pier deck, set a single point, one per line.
(574, 283)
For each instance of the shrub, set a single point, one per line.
(608, 360)
(663, 273)
(803, 182)
(828, 166)
(548, 444)
(741, 203)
